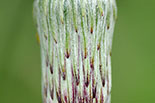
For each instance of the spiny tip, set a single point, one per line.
(108, 27)
(76, 30)
(85, 55)
(98, 47)
(67, 54)
(91, 30)
(102, 13)
(51, 69)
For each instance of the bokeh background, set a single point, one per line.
(133, 55)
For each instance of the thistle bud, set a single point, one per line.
(76, 41)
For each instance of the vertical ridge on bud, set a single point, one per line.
(52, 90)
(51, 13)
(78, 63)
(76, 43)
(101, 96)
(74, 15)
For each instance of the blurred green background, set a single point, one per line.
(133, 58)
